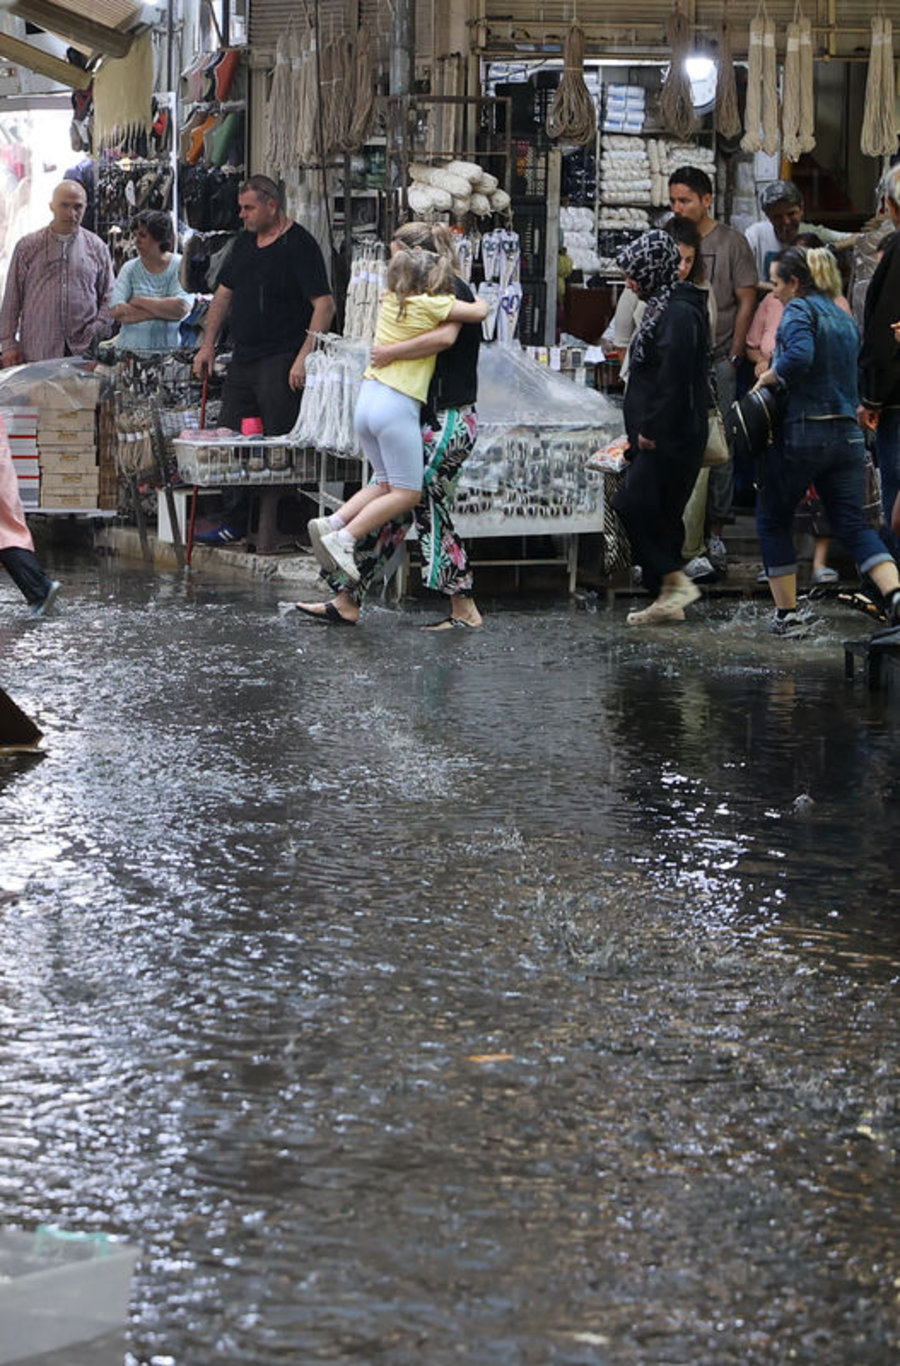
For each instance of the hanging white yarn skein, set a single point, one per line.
(879, 136)
(807, 89)
(752, 141)
(790, 108)
(770, 139)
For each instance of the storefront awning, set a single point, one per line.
(108, 32)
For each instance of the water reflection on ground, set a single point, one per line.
(529, 997)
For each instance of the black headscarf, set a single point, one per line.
(653, 262)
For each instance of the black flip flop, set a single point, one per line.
(329, 617)
(450, 624)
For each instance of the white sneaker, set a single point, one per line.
(318, 527)
(715, 547)
(700, 570)
(334, 553)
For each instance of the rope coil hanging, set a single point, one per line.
(676, 105)
(728, 117)
(879, 131)
(572, 116)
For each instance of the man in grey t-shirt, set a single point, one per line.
(731, 273)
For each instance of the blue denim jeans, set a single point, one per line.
(830, 454)
(887, 449)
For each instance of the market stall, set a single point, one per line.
(527, 476)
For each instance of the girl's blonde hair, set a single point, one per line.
(435, 237)
(824, 271)
(413, 270)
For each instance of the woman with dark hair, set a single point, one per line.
(666, 417)
(819, 442)
(449, 428)
(698, 567)
(148, 301)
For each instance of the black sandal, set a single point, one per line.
(329, 616)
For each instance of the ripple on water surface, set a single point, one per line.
(524, 997)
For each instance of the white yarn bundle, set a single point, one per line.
(879, 130)
(368, 281)
(770, 90)
(334, 370)
(761, 118)
(807, 88)
(459, 188)
(797, 116)
(752, 139)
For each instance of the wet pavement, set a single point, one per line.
(525, 996)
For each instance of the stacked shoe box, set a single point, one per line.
(21, 428)
(67, 443)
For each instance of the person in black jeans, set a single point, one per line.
(274, 292)
(666, 418)
(16, 546)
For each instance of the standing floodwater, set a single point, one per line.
(529, 997)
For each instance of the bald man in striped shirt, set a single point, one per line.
(58, 288)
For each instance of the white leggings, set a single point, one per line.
(389, 427)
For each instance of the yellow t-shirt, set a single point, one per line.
(422, 313)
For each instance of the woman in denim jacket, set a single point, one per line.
(819, 442)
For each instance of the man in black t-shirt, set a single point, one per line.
(274, 291)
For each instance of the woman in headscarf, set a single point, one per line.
(667, 404)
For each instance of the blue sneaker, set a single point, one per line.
(219, 535)
(40, 609)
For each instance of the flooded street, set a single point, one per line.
(517, 997)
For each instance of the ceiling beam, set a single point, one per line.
(77, 28)
(23, 54)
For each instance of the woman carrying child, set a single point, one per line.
(419, 298)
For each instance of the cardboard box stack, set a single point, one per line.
(21, 428)
(67, 445)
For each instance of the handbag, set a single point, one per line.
(753, 423)
(716, 452)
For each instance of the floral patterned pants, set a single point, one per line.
(445, 565)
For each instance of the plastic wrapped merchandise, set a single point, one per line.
(536, 430)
